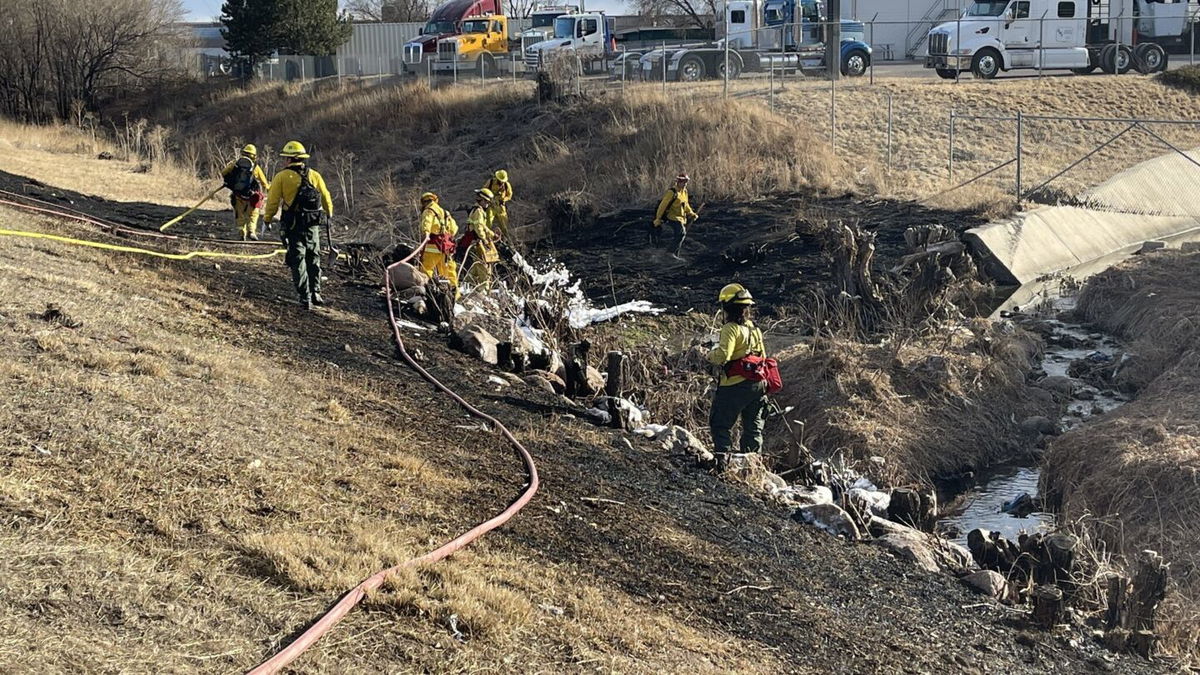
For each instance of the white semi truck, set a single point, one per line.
(1078, 35)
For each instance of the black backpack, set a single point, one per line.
(240, 180)
(307, 204)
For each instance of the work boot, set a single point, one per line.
(306, 303)
(317, 299)
(253, 236)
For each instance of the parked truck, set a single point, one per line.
(1076, 35)
(542, 23)
(445, 21)
(780, 35)
(479, 48)
(586, 35)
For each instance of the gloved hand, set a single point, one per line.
(657, 223)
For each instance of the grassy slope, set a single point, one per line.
(195, 472)
(1138, 468)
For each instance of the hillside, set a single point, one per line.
(194, 471)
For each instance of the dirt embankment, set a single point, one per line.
(1138, 470)
(193, 471)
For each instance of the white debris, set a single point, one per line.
(498, 380)
(651, 431)
(580, 311)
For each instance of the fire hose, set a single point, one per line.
(355, 595)
(335, 614)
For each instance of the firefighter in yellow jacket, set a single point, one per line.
(736, 396)
(502, 190)
(248, 186)
(437, 259)
(305, 201)
(482, 256)
(675, 209)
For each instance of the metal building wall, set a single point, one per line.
(378, 48)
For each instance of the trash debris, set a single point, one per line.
(55, 314)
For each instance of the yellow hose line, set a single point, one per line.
(131, 249)
(183, 215)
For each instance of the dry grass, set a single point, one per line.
(931, 405)
(1140, 468)
(403, 139)
(921, 129)
(178, 498)
(66, 157)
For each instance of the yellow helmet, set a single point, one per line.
(428, 197)
(486, 194)
(294, 149)
(736, 294)
(502, 175)
(250, 150)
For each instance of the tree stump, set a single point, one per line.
(1118, 590)
(504, 356)
(913, 508)
(1048, 606)
(614, 363)
(576, 367)
(1149, 589)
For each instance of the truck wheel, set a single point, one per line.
(691, 69)
(986, 64)
(1149, 58)
(856, 63)
(947, 73)
(487, 66)
(1114, 60)
(735, 68)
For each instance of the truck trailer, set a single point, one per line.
(445, 21)
(780, 35)
(1077, 35)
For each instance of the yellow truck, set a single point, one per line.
(477, 50)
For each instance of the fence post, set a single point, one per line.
(429, 71)
(833, 114)
(1042, 43)
(664, 67)
(957, 48)
(951, 145)
(771, 87)
(1192, 49)
(514, 66)
(725, 88)
(871, 41)
(1020, 130)
(455, 62)
(1117, 52)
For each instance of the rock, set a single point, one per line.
(1148, 246)
(593, 383)
(556, 382)
(540, 382)
(992, 584)
(802, 495)
(106, 155)
(409, 293)
(1190, 246)
(917, 508)
(874, 502)
(909, 549)
(1021, 506)
(1060, 384)
(926, 551)
(404, 276)
(830, 518)
(417, 306)
(1036, 425)
(512, 378)
(477, 342)
(678, 440)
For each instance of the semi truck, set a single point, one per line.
(586, 35)
(479, 48)
(445, 21)
(1077, 35)
(780, 35)
(542, 23)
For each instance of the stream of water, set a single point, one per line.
(985, 505)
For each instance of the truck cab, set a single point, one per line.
(445, 21)
(482, 40)
(542, 22)
(997, 35)
(588, 35)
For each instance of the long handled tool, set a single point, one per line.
(185, 214)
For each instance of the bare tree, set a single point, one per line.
(699, 13)
(59, 54)
(391, 11)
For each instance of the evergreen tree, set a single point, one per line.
(250, 29)
(311, 27)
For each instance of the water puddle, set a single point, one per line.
(1071, 351)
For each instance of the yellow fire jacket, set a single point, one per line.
(674, 206)
(286, 184)
(736, 340)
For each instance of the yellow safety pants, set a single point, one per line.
(435, 263)
(247, 217)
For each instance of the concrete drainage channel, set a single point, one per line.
(1005, 498)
